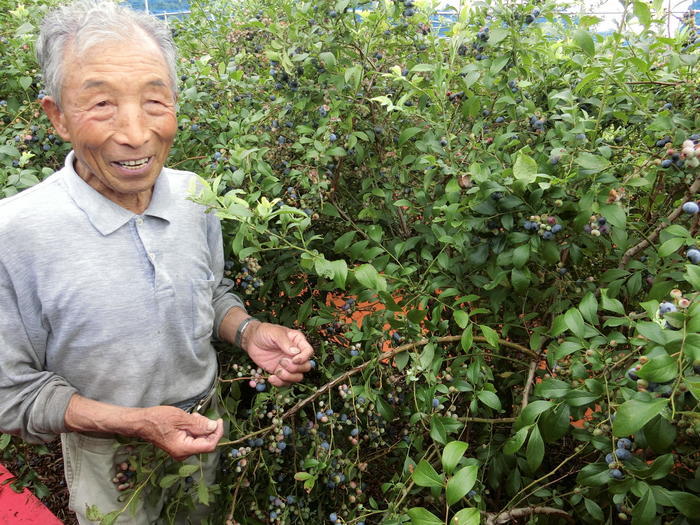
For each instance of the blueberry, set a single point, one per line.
(354, 432)
(332, 137)
(500, 120)
(260, 387)
(666, 307)
(609, 459)
(581, 137)
(547, 235)
(436, 402)
(691, 207)
(694, 255)
(333, 517)
(632, 374)
(312, 363)
(556, 228)
(623, 454)
(616, 473)
(624, 443)
(281, 445)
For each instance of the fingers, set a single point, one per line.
(300, 348)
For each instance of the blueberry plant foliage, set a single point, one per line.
(490, 238)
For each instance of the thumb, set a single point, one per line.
(199, 425)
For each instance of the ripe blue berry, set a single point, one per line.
(666, 163)
(666, 307)
(436, 402)
(616, 473)
(623, 454)
(333, 517)
(694, 255)
(624, 443)
(609, 459)
(691, 207)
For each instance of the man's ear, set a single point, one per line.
(56, 117)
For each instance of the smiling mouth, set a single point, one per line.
(133, 164)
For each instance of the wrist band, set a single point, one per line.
(238, 340)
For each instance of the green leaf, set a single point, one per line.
(652, 331)
(340, 272)
(470, 516)
(437, 430)
(327, 58)
(516, 441)
(202, 492)
(368, 277)
(614, 214)
(584, 40)
(591, 162)
(460, 484)
(425, 475)
(461, 318)
(490, 334)
(687, 504)
(634, 414)
(531, 411)
(574, 322)
(552, 388)
(4, 441)
(659, 369)
(593, 475)
(407, 133)
(187, 470)
(168, 480)
(671, 246)
(467, 338)
(520, 279)
(525, 168)
(589, 308)
(642, 12)
(421, 516)
(25, 82)
(302, 476)
(594, 510)
(521, 255)
(451, 454)
(422, 68)
(610, 304)
(644, 511)
(692, 275)
(535, 449)
(489, 399)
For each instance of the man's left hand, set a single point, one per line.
(283, 352)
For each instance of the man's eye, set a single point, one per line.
(102, 104)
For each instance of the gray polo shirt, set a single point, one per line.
(94, 299)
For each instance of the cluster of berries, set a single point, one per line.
(689, 155)
(278, 504)
(537, 123)
(246, 277)
(669, 307)
(614, 459)
(546, 226)
(124, 477)
(478, 45)
(355, 349)
(597, 226)
(256, 381)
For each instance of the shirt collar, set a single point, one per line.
(107, 216)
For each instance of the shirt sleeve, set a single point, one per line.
(33, 401)
(223, 299)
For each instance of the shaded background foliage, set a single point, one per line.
(500, 211)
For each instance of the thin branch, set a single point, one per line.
(655, 83)
(528, 383)
(634, 250)
(384, 357)
(525, 512)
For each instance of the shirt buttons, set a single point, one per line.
(139, 221)
(152, 256)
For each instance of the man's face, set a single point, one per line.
(118, 112)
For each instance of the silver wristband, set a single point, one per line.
(238, 340)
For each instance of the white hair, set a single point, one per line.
(86, 23)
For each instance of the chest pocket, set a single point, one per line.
(202, 309)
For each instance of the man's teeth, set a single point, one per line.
(134, 163)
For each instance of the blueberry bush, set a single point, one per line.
(490, 238)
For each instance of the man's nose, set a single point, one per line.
(132, 126)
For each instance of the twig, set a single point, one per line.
(655, 83)
(505, 517)
(634, 250)
(528, 383)
(383, 357)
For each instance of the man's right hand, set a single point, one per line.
(177, 432)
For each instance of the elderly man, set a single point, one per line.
(111, 280)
